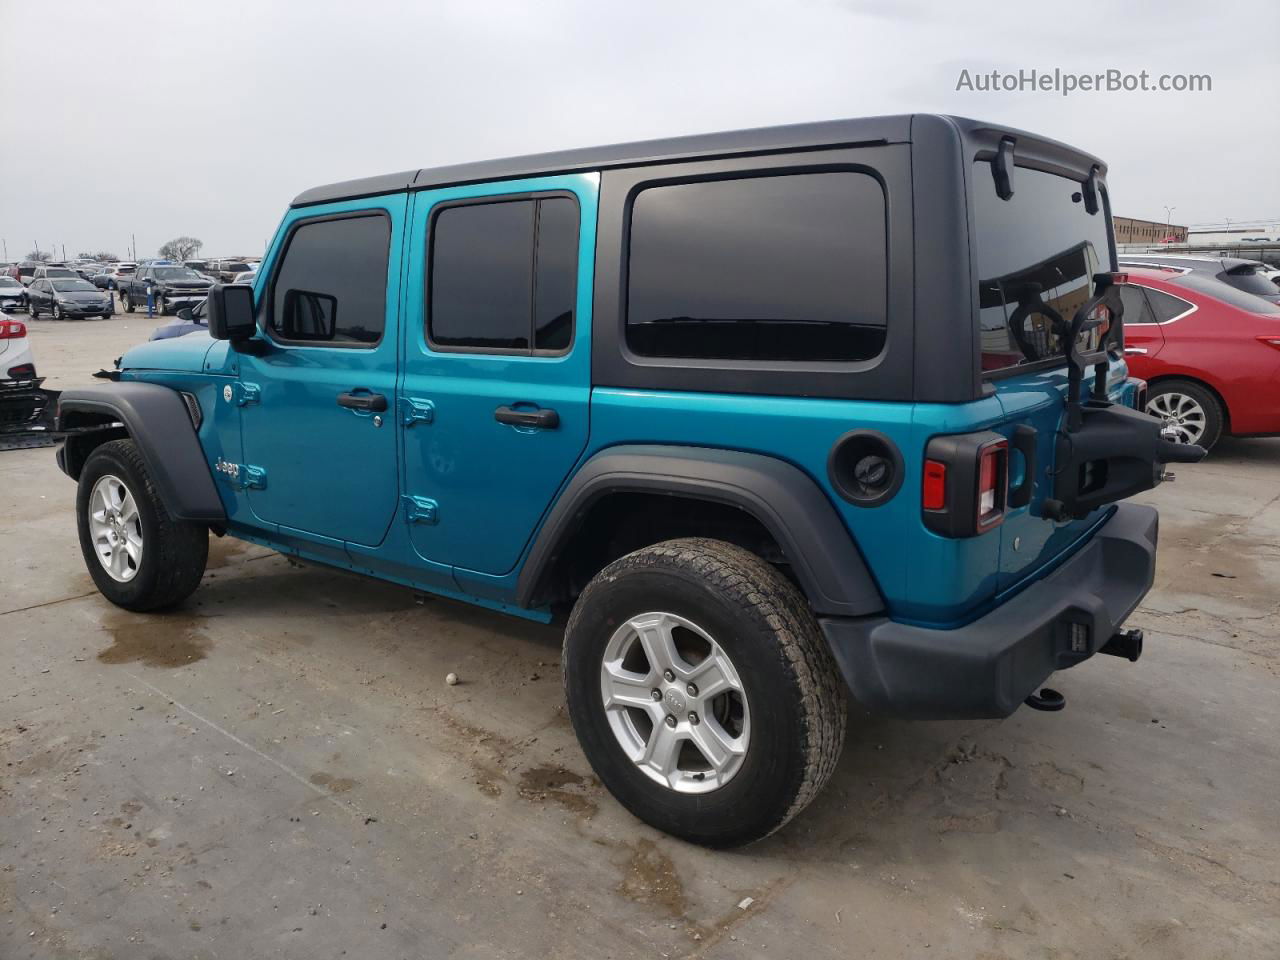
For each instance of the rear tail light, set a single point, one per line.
(965, 485)
(934, 495)
(993, 483)
(12, 329)
(23, 371)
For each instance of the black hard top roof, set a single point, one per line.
(828, 134)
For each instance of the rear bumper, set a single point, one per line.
(988, 667)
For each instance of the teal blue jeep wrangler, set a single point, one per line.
(772, 416)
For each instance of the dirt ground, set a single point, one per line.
(278, 769)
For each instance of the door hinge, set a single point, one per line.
(420, 510)
(243, 476)
(416, 410)
(246, 393)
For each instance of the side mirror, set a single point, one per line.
(231, 312)
(185, 315)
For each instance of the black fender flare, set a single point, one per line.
(157, 420)
(790, 505)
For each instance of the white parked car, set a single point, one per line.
(17, 363)
(11, 294)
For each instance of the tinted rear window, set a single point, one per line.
(774, 268)
(1250, 281)
(1042, 235)
(1226, 293)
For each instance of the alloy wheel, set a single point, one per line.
(115, 528)
(675, 702)
(1184, 418)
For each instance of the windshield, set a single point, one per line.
(59, 272)
(9, 282)
(176, 273)
(1041, 236)
(74, 286)
(1226, 293)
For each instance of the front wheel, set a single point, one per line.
(139, 557)
(57, 313)
(32, 312)
(126, 303)
(702, 692)
(162, 308)
(1191, 413)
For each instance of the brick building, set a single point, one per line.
(1129, 230)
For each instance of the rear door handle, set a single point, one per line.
(365, 402)
(543, 419)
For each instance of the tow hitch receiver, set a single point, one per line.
(1127, 645)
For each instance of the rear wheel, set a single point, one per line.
(702, 691)
(1191, 413)
(139, 557)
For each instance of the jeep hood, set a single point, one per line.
(183, 354)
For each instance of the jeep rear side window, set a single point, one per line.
(770, 268)
(491, 288)
(331, 287)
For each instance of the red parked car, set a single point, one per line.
(1210, 354)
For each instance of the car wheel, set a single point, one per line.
(32, 312)
(702, 692)
(57, 313)
(1191, 413)
(126, 303)
(139, 557)
(162, 308)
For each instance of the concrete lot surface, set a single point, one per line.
(278, 769)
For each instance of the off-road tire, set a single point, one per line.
(126, 303)
(795, 694)
(1214, 415)
(174, 552)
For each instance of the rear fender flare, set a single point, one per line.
(784, 499)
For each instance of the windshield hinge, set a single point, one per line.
(420, 509)
(416, 410)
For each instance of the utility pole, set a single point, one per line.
(6, 249)
(133, 239)
(64, 253)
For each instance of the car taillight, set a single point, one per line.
(12, 329)
(964, 489)
(934, 490)
(23, 371)
(993, 482)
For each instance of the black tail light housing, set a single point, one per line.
(965, 488)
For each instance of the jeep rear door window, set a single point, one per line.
(770, 268)
(331, 287)
(503, 275)
(1042, 236)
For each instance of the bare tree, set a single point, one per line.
(181, 248)
(40, 256)
(105, 256)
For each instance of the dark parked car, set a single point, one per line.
(172, 287)
(67, 298)
(1251, 276)
(192, 320)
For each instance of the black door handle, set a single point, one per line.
(543, 419)
(367, 402)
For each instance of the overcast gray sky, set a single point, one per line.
(178, 117)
